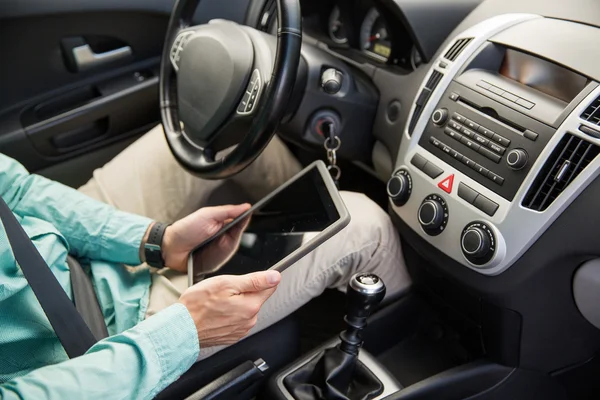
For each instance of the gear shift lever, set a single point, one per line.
(364, 293)
(336, 373)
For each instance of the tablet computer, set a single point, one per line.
(277, 231)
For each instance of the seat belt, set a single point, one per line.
(69, 326)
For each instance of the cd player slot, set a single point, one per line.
(496, 117)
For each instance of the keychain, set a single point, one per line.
(332, 145)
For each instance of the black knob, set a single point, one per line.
(399, 187)
(478, 243)
(439, 116)
(364, 293)
(475, 243)
(431, 215)
(517, 159)
(331, 81)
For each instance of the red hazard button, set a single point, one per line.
(446, 184)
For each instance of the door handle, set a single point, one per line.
(86, 59)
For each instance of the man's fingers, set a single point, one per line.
(223, 213)
(257, 281)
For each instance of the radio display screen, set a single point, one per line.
(542, 75)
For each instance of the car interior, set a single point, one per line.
(474, 123)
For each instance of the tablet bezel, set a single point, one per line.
(310, 245)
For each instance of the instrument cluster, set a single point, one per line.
(361, 29)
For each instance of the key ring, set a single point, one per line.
(332, 157)
(337, 141)
(335, 172)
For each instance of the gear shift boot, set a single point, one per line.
(333, 374)
(336, 373)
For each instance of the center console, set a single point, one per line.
(503, 136)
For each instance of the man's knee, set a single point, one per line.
(368, 219)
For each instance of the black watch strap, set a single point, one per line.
(153, 247)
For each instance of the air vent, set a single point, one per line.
(570, 157)
(432, 83)
(592, 113)
(457, 48)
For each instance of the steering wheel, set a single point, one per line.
(223, 84)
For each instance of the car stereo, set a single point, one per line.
(492, 124)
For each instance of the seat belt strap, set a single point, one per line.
(69, 326)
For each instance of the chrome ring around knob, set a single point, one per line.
(400, 188)
(481, 241)
(517, 159)
(439, 116)
(431, 204)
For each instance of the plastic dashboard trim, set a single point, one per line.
(515, 227)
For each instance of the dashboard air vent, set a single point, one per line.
(457, 48)
(592, 113)
(570, 157)
(432, 83)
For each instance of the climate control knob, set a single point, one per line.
(433, 215)
(517, 159)
(399, 187)
(478, 243)
(439, 116)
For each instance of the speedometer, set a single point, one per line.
(374, 36)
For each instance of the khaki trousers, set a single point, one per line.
(145, 179)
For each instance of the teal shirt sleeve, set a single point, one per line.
(136, 364)
(93, 230)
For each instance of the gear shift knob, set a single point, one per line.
(364, 293)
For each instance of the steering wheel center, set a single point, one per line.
(214, 68)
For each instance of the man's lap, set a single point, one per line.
(145, 179)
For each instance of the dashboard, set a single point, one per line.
(362, 30)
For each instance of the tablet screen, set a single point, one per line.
(270, 231)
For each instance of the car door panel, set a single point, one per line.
(77, 77)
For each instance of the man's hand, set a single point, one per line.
(187, 233)
(225, 308)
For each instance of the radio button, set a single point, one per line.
(495, 178)
(510, 97)
(467, 132)
(486, 132)
(469, 143)
(497, 148)
(459, 118)
(524, 103)
(452, 134)
(472, 124)
(502, 140)
(530, 135)
(489, 154)
(481, 140)
(496, 90)
(482, 170)
(468, 162)
(455, 125)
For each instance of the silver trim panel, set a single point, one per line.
(515, 227)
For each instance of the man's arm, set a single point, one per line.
(136, 364)
(93, 229)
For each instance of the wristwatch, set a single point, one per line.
(153, 246)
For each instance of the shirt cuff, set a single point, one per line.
(175, 339)
(122, 236)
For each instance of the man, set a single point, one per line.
(159, 327)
